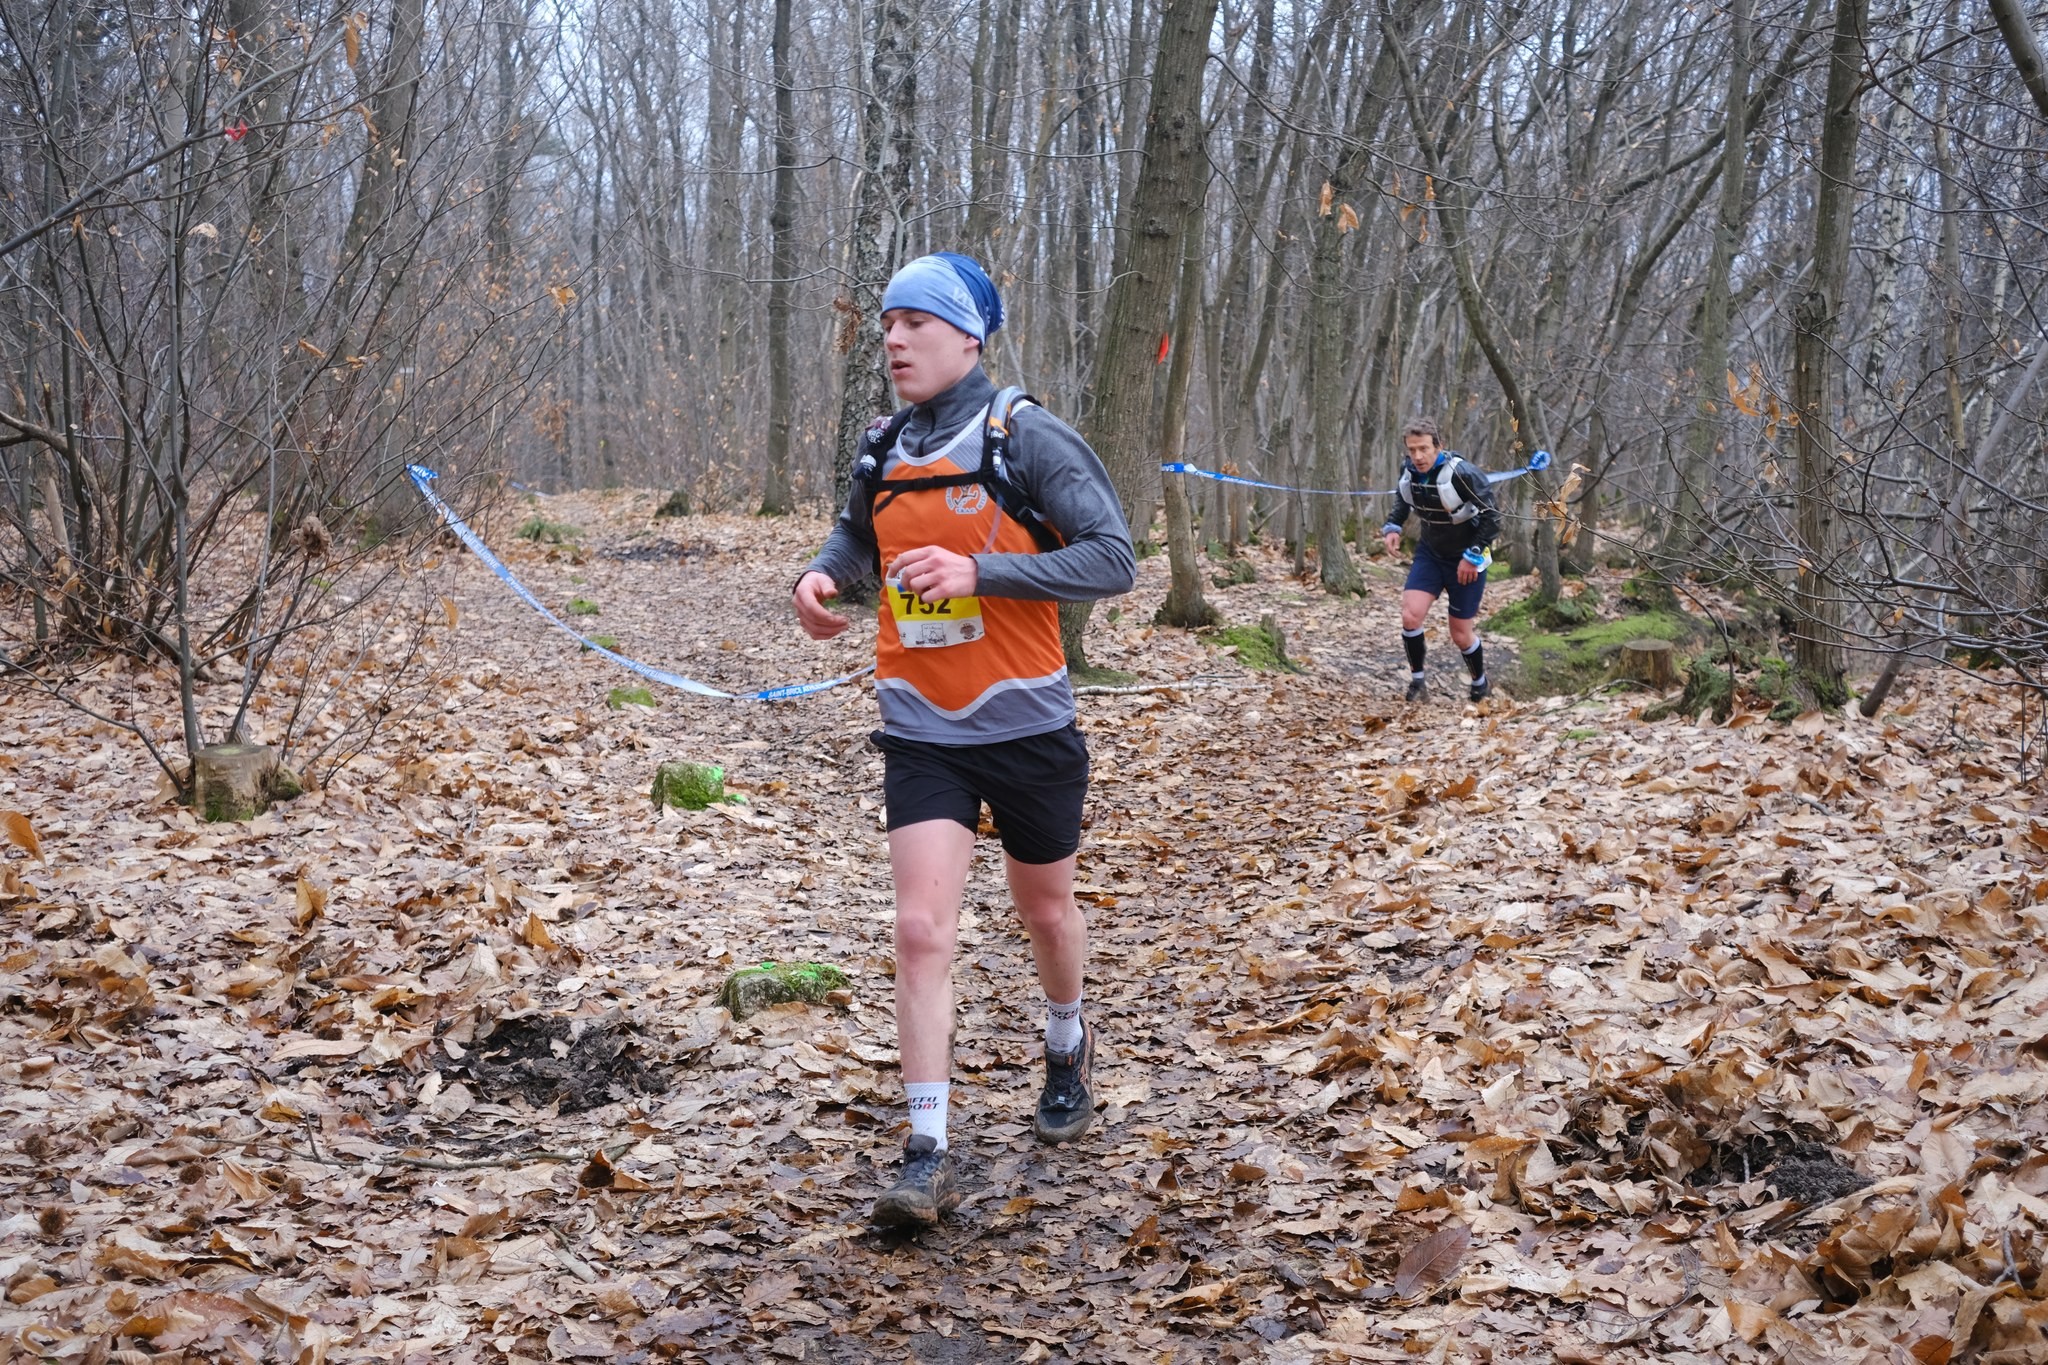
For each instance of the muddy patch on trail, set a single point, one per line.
(573, 1063)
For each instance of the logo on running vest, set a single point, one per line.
(967, 499)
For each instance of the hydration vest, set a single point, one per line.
(962, 670)
(993, 475)
(1456, 507)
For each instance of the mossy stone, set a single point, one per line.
(779, 983)
(692, 786)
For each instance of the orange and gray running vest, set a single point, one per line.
(976, 670)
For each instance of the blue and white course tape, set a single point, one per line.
(422, 478)
(1538, 460)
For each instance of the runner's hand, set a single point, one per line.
(819, 621)
(935, 574)
(1393, 539)
(1467, 571)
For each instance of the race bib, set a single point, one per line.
(934, 625)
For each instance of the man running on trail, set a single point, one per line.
(983, 512)
(1453, 503)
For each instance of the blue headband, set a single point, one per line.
(951, 287)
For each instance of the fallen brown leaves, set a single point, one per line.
(1542, 1033)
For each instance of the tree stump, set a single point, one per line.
(238, 781)
(1649, 662)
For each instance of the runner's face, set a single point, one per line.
(1421, 452)
(927, 355)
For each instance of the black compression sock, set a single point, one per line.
(1475, 661)
(1417, 647)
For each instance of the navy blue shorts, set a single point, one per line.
(1034, 788)
(1435, 573)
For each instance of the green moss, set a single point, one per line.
(582, 606)
(1774, 680)
(1100, 677)
(610, 642)
(222, 804)
(1234, 572)
(1648, 592)
(1707, 688)
(691, 786)
(779, 983)
(537, 527)
(1259, 648)
(1583, 732)
(1552, 663)
(285, 785)
(621, 697)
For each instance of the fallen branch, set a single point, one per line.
(1096, 691)
(422, 1163)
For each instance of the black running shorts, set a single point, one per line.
(1034, 787)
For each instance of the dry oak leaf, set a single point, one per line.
(1432, 1260)
(1199, 1296)
(21, 833)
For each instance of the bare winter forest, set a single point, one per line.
(1495, 1028)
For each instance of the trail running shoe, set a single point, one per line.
(1481, 690)
(1066, 1107)
(1418, 689)
(924, 1192)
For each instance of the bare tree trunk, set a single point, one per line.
(1816, 369)
(1185, 604)
(1167, 194)
(775, 499)
(1688, 520)
(725, 120)
(1895, 203)
(380, 243)
(2026, 52)
(1331, 358)
(1087, 194)
(888, 109)
(994, 81)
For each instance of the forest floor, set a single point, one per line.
(1529, 1031)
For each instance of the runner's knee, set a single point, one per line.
(923, 933)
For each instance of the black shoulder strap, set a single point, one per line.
(995, 456)
(993, 475)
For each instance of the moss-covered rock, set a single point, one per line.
(621, 697)
(779, 983)
(690, 786)
(1234, 571)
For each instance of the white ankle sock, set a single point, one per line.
(1062, 1025)
(928, 1109)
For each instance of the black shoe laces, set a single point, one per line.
(1063, 1088)
(920, 1167)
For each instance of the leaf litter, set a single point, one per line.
(1532, 1031)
